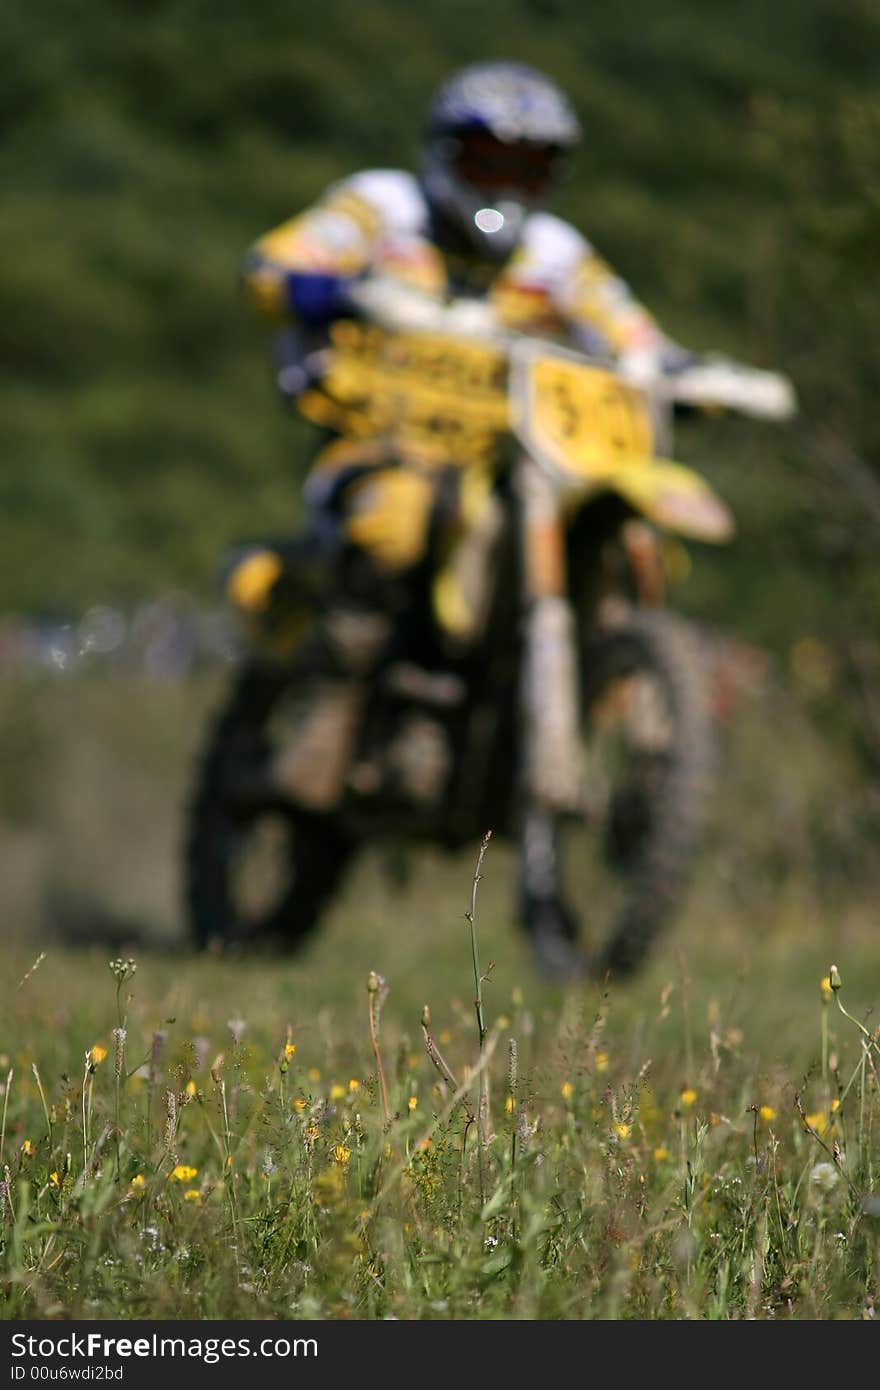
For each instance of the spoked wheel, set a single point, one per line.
(257, 870)
(648, 759)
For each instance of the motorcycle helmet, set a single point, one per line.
(496, 135)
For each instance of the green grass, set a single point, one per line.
(630, 1175)
(622, 1202)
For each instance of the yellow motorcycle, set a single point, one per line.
(536, 684)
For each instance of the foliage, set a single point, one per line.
(186, 1168)
(728, 170)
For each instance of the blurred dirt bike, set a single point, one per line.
(535, 684)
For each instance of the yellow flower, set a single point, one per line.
(508, 1105)
(818, 1122)
(825, 988)
(387, 1149)
(621, 1130)
(354, 1085)
(299, 1104)
(337, 1092)
(182, 1173)
(289, 1049)
(54, 1179)
(28, 1149)
(766, 1114)
(138, 1182)
(97, 1053)
(192, 1194)
(412, 1103)
(311, 1133)
(341, 1154)
(314, 1074)
(835, 1105)
(567, 1090)
(190, 1089)
(601, 1061)
(687, 1097)
(660, 1154)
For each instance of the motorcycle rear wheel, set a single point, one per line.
(257, 871)
(648, 773)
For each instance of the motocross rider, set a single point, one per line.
(471, 224)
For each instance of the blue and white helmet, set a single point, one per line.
(495, 134)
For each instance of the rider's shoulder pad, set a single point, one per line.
(551, 245)
(394, 194)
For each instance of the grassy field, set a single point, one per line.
(700, 1142)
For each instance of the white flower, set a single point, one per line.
(824, 1176)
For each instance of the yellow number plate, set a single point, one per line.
(426, 391)
(584, 419)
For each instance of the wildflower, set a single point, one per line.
(289, 1049)
(190, 1089)
(354, 1086)
(192, 1194)
(601, 1061)
(424, 1144)
(766, 1114)
(122, 970)
(97, 1053)
(825, 988)
(567, 1090)
(835, 1105)
(337, 1092)
(622, 1130)
(687, 1097)
(660, 1154)
(28, 1149)
(138, 1182)
(834, 979)
(824, 1176)
(817, 1122)
(54, 1179)
(508, 1105)
(299, 1104)
(236, 1027)
(311, 1133)
(341, 1154)
(314, 1074)
(182, 1173)
(412, 1103)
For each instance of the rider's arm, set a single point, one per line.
(299, 270)
(605, 316)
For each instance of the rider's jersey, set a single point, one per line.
(555, 284)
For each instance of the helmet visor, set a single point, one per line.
(491, 165)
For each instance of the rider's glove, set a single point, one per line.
(315, 299)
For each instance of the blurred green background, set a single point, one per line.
(728, 170)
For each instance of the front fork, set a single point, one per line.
(549, 695)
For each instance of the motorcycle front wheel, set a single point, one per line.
(257, 871)
(648, 761)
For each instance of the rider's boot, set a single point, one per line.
(311, 769)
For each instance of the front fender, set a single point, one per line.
(674, 498)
